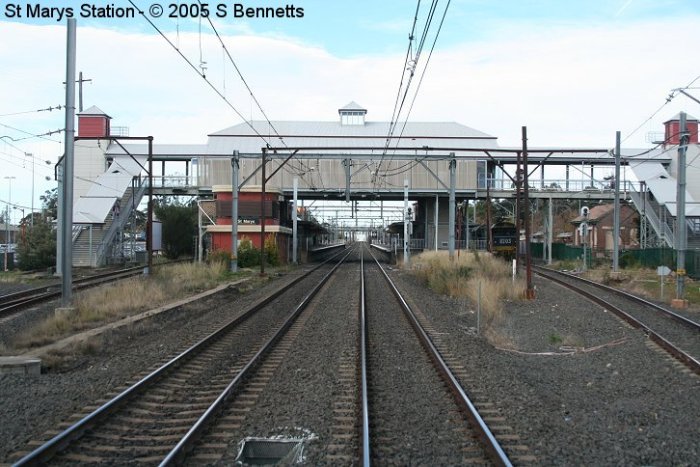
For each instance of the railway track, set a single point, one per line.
(676, 334)
(160, 418)
(431, 395)
(11, 303)
(192, 408)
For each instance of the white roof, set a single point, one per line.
(95, 206)
(249, 138)
(663, 186)
(352, 106)
(94, 110)
(141, 149)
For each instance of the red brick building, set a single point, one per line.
(249, 201)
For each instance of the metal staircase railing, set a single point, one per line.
(126, 204)
(662, 229)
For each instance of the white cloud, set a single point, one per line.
(572, 86)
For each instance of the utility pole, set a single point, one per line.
(80, 90)
(451, 208)
(526, 209)
(294, 222)
(682, 231)
(67, 195)
(616, 208)
(405, 223)
(262, 213)
(80, 82)
(234, 211)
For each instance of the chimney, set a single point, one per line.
(94, 123)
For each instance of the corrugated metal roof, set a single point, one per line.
(94, 110)
(663, 186)
(159, 149)
(332, 134)
(352, 106)
(95, 206)
(369, 129)
(688, 118)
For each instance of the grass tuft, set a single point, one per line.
(114, 301)
(462, 277)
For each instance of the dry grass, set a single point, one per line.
(117, 300)
(476, 276)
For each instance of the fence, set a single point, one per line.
(647, 258)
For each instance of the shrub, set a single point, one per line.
(248, 255)
(272, 254)
(219, 256)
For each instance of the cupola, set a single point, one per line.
(672, 130)
(93, 123)
(352, 114)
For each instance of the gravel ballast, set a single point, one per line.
(574, 382)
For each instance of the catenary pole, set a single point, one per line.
(295, 222)
(616, 207)
(451, 208)
(680, 204)
(68, 170)
(262, 214)
(405, 222)
(234, 211)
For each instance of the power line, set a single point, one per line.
(670, 97)
(48, 109)
(421, 44)
(201, 73)
(420, 81)
(250, 91)
(397, 107)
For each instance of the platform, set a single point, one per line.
(20, 366)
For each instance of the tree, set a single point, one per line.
(50, 202)
(37, 246)
(179, 224)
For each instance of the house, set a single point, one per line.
(600, 222)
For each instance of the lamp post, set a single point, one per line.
(7, 220)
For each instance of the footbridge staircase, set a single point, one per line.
(101, 215)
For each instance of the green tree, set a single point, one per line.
(37, 245)
(50, 202)
(179, 224)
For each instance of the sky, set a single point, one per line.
(573, 72)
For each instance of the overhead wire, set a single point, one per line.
(201, 74)
(397, 109)
(420, 81)
(252, 94)
(47, 109)
(669, 98)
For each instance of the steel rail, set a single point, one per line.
(186, 443)
(365, 448)
(670, 313)
(664, 343)
(15, 301)
(493, 447)
(43, 453)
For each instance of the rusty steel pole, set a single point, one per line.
(530, 293)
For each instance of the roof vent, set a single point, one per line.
(352, 114)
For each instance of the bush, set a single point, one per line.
(272, 254)
(219, 256)
(248, 255)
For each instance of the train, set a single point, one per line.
(504, 239)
